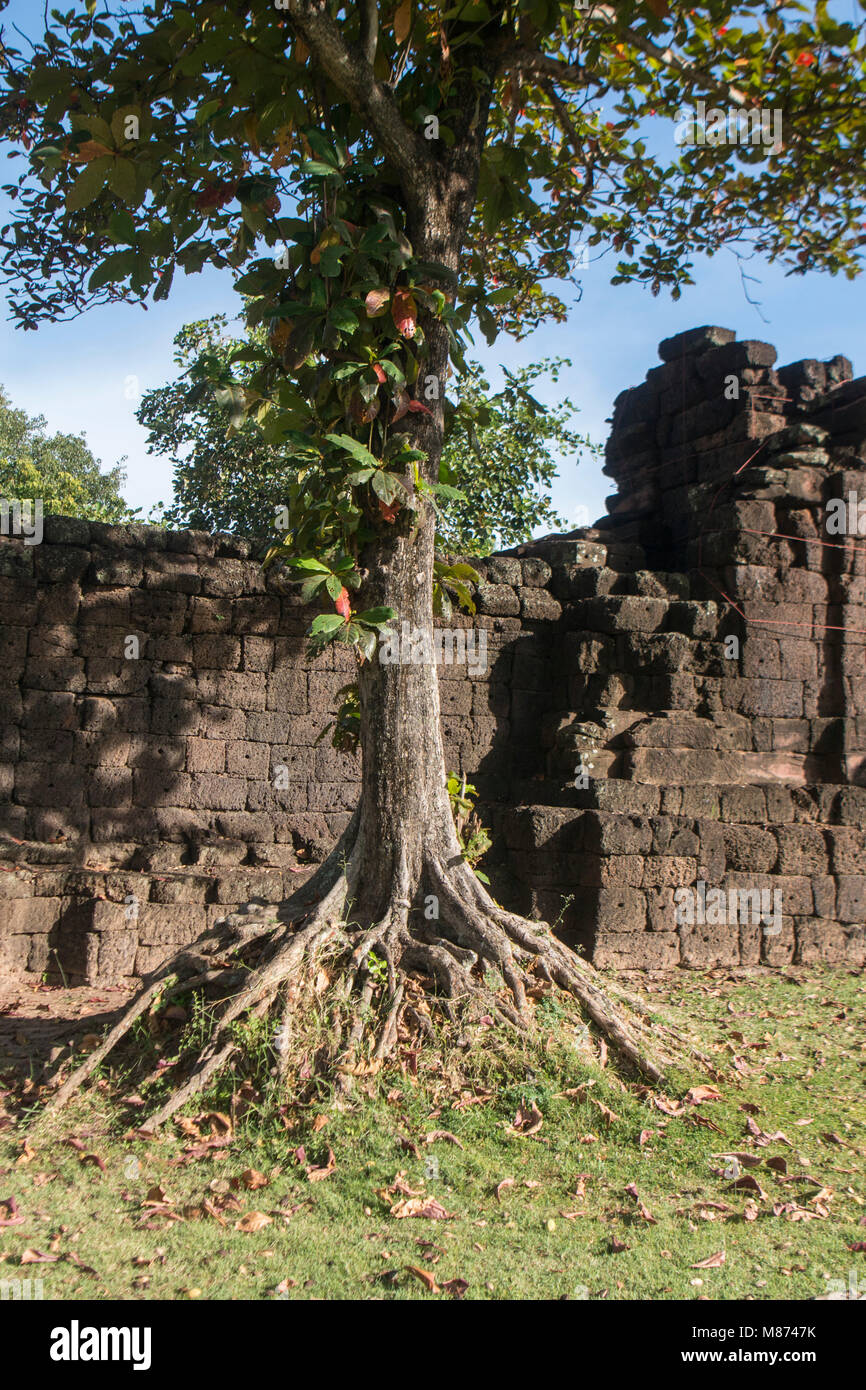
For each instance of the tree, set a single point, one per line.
(384, 177)
(59, 470)
(500, 450)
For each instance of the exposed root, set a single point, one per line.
(475, 954)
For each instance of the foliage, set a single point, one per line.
(474, 839)
(59, 469)
(498, 449)
(215, 486)
(347, 725)
(501, 452)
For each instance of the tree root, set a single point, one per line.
(474, 952)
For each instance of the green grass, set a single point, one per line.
(800, 1038)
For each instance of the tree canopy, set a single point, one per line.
(501, 450)
(57, 469)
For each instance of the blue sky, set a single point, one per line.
(77, 374)
(83, 375)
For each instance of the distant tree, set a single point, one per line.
(57, 469)
(499, 450)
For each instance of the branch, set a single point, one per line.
(695, 77)
(352, 73)
(572, 74)
(370, 30)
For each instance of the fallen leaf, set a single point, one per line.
(606, 1113)
(698, 1094)
(221, 1125)
(14, 1217)
(253, 1179)
(443, 1134)
(253, 1221)
(421, 1206)
(317, 1174)
(527, 1120)
(500, 1187)
(749, 1184)
(425, 1277)
(37, 1257)
(712, 1262)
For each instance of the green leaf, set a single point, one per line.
(355, 448)
(327, 623)
(89, 184)
(115, 267)
(122, 181)
(315, 166)
(376, 617)
(387, 486)
(308, 562)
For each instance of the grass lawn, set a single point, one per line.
(619, 1193)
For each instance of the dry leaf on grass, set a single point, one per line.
(421, 1206)
(253, 1221)
(749, 1184)
(316, 1174)
(12, 1217)
(698, 1094)
(668, 1107)
(528, 1120)
(220, 1125)
(500, 1187)
(712, 1261)
(425, 1277)
(443, 1134)
(642, 1209)
(455, 1287)
(606, 1113)
(253, 1179)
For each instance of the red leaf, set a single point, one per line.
(805, 60)
(416, 407)
(380, 375)
(389, 510)
(404, 312)
(344, 608)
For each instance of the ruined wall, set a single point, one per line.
(150, 786)
(160, 735)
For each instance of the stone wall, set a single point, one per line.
(161, 762)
